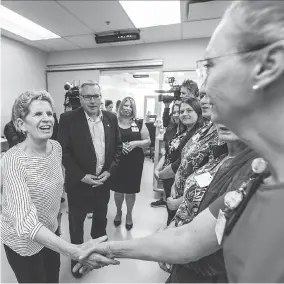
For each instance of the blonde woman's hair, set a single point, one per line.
(133, 105)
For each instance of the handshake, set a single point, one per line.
(93, 254)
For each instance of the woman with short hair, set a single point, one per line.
(32, 190)
(244, 79)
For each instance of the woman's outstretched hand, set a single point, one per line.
(94, 254)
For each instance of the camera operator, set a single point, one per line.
(187, 89)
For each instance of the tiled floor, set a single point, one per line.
(146, 221)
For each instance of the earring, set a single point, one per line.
(255, 87)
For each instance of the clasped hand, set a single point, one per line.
(94, 254)
(94, 180)
(127, 147)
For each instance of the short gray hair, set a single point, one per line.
(23, 101)
(88, 83)
(258, 23)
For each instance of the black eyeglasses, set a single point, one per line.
(88, 98)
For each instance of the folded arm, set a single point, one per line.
(145, 139)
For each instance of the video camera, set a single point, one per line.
(175, 90)
(71, 96)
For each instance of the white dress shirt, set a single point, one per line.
(98, 137)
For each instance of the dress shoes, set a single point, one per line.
(117, 223)
(128, 226)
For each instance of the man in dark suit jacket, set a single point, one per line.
(91, 147)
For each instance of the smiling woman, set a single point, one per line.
(32, 189)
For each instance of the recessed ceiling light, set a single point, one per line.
(145, 14)
(23, 27)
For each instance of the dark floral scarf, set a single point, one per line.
(195, 154)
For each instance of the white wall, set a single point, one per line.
(22, 68)
(56, 81)
(176, 54)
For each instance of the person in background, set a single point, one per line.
(187, 89)
(108, 105)
(12, 134)
(91, 147)
(248, 45)
(202, 188)
(118, 102)
(195, 154)
(205, 104)
(32, 188)
(135, 137)
(190, 117)
(55, 127)
(171, 131)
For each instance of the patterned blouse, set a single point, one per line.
(193, 193)
(195, 154)
(173, 146)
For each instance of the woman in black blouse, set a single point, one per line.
(135, 137)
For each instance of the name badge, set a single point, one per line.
(176, 144)
(203, 180)
(135, 129)
(220, 226)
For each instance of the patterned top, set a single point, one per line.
(195, 154)
(98, 137)
(32, 189)
(193, 193)
(173, 146)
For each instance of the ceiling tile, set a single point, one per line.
(39, 46)
(58, 44)
(161, 33)
(85, 41)
(50, 15)
(207, 10)
(95, 14)
(130, 42)
(199, 29)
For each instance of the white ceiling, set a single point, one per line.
(77, 21)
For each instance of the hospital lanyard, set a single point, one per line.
(236, 201)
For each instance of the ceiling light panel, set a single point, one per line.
(144, 14)
(23, 27)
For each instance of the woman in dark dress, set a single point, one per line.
(135, 136)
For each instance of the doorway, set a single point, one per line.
(138, 84)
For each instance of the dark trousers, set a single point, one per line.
(42, 267)
(77, 215)
(167, 188)
(182, 274)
